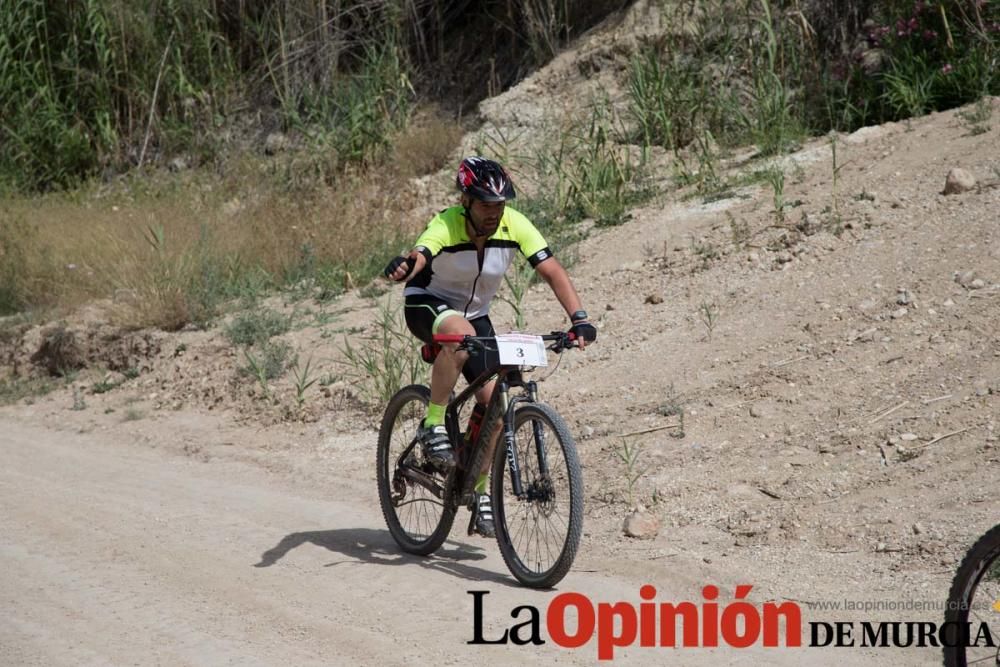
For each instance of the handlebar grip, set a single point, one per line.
(449, 338)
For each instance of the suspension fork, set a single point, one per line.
(507, 406)
(538, 432)
(538, 436)
(501, 408)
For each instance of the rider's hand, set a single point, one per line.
(399, 268)
(585, 332)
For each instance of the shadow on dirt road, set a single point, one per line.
(377, 547)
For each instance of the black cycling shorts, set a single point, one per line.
(423, 310)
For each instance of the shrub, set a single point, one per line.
(257, 326)
(382, 364)
(915, 57)
(769, 71)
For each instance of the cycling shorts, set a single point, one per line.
(424, 313)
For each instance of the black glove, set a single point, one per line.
(585, 330)
(395, 264)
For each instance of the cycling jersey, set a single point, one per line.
(457, 274)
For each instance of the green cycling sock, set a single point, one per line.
(435, 415)
(481, 483)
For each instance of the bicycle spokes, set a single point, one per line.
(412, 493)
(538, 529)
(984, 607)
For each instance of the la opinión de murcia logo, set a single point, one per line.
(572, 620)
(650, 624)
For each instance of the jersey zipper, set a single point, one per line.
(480, 257)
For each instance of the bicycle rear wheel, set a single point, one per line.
(974, 599)
(415, 497)
(539, 533)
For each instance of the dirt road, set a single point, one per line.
(120, 554)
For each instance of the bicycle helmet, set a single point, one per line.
(484, 179)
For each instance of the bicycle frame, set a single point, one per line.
(501, 407)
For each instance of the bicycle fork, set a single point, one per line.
(508, 405)
(503, 407)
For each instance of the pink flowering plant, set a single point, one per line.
(931, 55)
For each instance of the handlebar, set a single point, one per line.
(562, 339)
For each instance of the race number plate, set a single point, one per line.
(521, 350)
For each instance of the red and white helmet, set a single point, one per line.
(484, 179)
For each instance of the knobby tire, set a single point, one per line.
(409, 401)
(521, 522)
(974, 589)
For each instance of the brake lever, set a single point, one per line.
(565, 341)
(467, 346)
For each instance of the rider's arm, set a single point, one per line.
(429, 243)
(555, 275)
(534, 248)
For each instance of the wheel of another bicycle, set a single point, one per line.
(974, 599)
(539, 533)
(418, 520)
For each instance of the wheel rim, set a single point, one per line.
(984, 607)
(538, 524)
(418, 511)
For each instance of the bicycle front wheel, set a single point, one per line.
(414, 495)
(539, 531)
(974, 599)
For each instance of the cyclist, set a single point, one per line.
(453, 272)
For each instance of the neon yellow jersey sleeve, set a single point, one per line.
(437, 235)
(528, 238)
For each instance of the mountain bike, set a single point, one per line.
(975, 599)
(536, 483)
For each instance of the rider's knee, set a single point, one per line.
(455, 323)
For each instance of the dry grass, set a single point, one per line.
(173, 252)
(428, 143)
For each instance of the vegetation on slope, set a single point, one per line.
(97, 96)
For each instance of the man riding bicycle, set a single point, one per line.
(453, 272)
